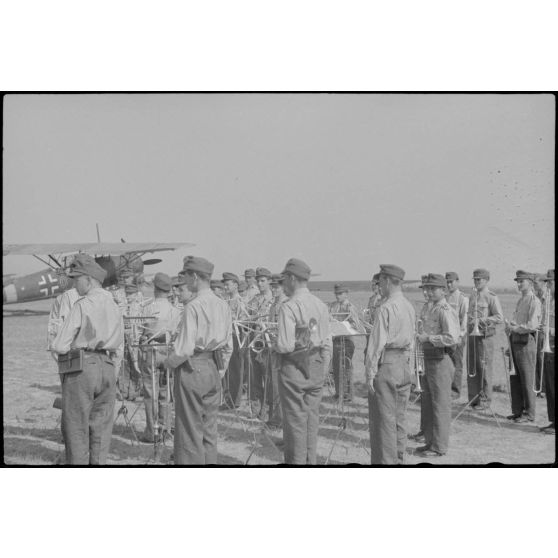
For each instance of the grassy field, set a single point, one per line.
(32, 431)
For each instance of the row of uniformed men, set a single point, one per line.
(207, 329)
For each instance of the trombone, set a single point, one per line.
(475, 333)
(546, 344)
(419, 357)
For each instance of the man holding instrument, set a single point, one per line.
(157, 332)
(522, 332)
(460, 303)
(304, 341)
(549, 327)
(88, 343)
(484, 314)
(200, 358)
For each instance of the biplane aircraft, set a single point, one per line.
(114, 257)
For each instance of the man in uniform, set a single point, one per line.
(343, 346)
(275, 419)
(440, 334)
(388, 373)
(200, 358)
(540, 289)
(92, 334)
(304, 342)
(485, 311)
(460, 303)
(521, 331)
(418, 354)
(549, 370)
(251, 287)
(258, 308)
(218, 288)
(158, 331)
(235, 374)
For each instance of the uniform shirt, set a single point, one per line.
(250, 292)
(346, 311)
(395, 329)
(94, 323)
(460, 303)
(206, 325)
(167, 317)
(441, 324)
(487, 307)
(59, 312)
(275, 306)
(260, 304)
(296, 312)
(527, 313)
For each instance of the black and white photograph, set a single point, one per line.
(265, 279)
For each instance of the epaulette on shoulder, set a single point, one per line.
(491, 292)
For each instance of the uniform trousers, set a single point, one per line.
(258, 376)
(197, 392)
(343, 351)
(160, 395)
(549, 376)
(235, 373)
(521, 383)
(88, 399)
(480, 354)
(387, 408)
(300, 402)
(437, 403)
(457, 359)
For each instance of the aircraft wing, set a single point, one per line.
(102, 248)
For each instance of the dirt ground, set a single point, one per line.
(32, 429)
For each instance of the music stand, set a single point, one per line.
(481, 395)
(343, 330)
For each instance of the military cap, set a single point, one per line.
(435, 280)
(452, 276)
(549, 275)
(263, 272)
(481, 274)
(376, 278)
(216, 284)
(242, 286)
(178, 280)
(249, 273)
(520, 275)
(423, 279)
(340, 288)
(392, 271)
(84, 264)
(276, 279)
(297, 268)
(195, 263)
(162, 282)
(228, 276)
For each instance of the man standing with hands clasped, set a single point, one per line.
(200, 358)
(440, 335)
(387, 368)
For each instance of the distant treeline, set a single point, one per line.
(327, 286)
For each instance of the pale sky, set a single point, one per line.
(345, 182)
